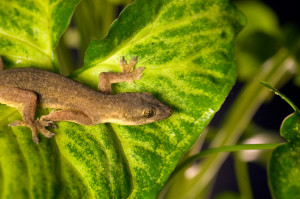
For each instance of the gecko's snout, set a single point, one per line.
(164, 111)
(145, 109)
(168, 111)
(161, 110)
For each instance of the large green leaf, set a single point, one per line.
(30, 30)
(187, 49)
(283, 171)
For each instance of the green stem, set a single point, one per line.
(233, 148)
(274, 71)
(242, 177)
(285, 98)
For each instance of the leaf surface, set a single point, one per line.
(30, 30)
(187, 49)
(283, 171)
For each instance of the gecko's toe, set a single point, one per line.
(53, 126)
(17, 123)
(138, 73)
(133, 61)
(122, 61)
(49, 135)
(139, 70)
(44, 122)
(35, 139)
(45, 132)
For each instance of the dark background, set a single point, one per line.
(269, 116)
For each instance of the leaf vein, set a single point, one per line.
(13, 37)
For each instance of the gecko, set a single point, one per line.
(27, 88)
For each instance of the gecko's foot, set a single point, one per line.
(30, 125)
(41, 128)
(45, 122)
(17, 123)
(42, 123)
(35, 127)
(127, 75)
(52, 126)
(135, 75)
(128, 69)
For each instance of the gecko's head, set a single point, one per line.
(139, 108)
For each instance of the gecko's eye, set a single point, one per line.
(149, 112)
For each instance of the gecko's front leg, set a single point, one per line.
(66, 115)
(25, 101)
(127, 75)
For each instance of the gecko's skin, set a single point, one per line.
(25, 88)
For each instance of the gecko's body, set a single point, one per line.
(25, 88)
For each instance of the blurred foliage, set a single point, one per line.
(259, 40)
(262, 38)
(112, 160)
(283, 170)
(264, 51)
(227, 195)
(262, 41)
(91, 20)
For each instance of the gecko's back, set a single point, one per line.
(53, 90)
(24, 88)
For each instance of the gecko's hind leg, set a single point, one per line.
(127, 75)
(66, 115)
(25, 101)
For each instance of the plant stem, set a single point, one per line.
(243, 180)
(285, 98)
(233, 148)
(279, 68)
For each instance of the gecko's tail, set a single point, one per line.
(1, 64)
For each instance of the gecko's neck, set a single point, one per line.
(104, 106)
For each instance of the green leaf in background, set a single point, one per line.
(30, 30)
(187, 49)
(259, 40)
(228, 195)
(283, 171)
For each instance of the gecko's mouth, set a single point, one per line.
(168, 111)
(164, 112)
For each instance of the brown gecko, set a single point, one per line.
(25, 88)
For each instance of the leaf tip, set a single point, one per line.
(269, 86)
